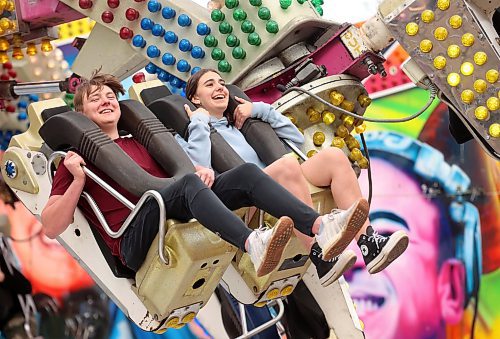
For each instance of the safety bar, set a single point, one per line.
(134, 208)
(258, 329)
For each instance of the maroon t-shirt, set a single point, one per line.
(114, 211)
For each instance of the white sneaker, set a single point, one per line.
(340, 227)
(265, 246)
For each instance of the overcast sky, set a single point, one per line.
(341, 10)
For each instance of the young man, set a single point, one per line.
(201, 195)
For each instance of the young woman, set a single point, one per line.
(328, 168)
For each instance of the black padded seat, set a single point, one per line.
(149, 95)
(50, 112)
(170, 111)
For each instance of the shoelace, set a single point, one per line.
(259, 231)
(320, 256)
(376, 238)
(334, 212)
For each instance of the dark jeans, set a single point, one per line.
(243, 186)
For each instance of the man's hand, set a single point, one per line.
(242, 112)
(199, 110)
(2, 276)
(206, 175)
(74, 163)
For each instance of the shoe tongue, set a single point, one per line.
(369, 230)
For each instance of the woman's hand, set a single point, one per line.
(2, 276)
(74, 163)
(199, 110)
(206, 175)
(242, 112)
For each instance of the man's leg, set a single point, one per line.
(190, 198)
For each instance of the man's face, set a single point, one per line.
(101, 106)
(402, 300)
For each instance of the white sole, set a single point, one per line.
(344, 237)
(397, 244)
(346, 261)
(282, 232)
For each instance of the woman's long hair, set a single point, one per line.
(192, 86)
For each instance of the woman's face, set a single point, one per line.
(211, 94)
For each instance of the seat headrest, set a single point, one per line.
(50, 112)
(232, 104)
(149, 95)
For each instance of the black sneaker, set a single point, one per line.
(330, 271)
(379, 251)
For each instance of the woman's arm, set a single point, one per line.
(281, 124)
(198, 146)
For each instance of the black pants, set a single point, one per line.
(243, 186)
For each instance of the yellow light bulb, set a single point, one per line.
(4, 45)
(480, 58)
(495, 130)
(363, 163)
(443, 4)
(318, 138)
(480, 86)
(468, 39)
(492, 76)
(481, 113)
(467, 68)
(453, 51)
(4, 57)
(313, 115)
(3, 4)
(455, 21)
(188, 317)
(426, 45)
(342, 131)
(348, 121)
(172, 322)
(355, 155)
(328, 117)
(427, 16)
(467, 96)
(17, 53)
(273, 294)
(361, 128)
(453, 79)
(336, 98)
(347, 105)
(352, 142)
(364, 100)
(31, 49)
(46, 46)
(411, 29)
(4, 23)
(311, 153)
(493, 103)
(286, 291)
(10, 6)
(440, 33)
(338, 142)
(439, 62)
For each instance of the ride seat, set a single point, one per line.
(240, 279)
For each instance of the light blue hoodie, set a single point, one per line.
(198, 146)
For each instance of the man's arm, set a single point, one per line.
(58, 213)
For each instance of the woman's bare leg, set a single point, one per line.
(288, 173)
(331, 167)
